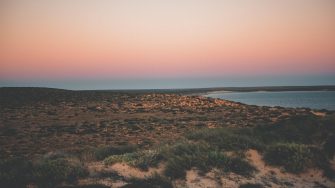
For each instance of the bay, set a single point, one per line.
(293, 99)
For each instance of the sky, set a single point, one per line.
(132, 44)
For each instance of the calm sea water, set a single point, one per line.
(309, 99)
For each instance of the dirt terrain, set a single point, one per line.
(267, 176)
(32, 124)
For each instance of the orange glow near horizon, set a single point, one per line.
(153, 38)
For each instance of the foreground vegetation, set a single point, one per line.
(295, 145)
(47, 172)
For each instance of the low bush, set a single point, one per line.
(239, 166)
(84, 186)
(155, 181)
(293, 157)
(103, 152)
(141, 159)
(184, 156)
(53, 171)
(227, 139)
(329, 146)
(300, 129)
(251, 185)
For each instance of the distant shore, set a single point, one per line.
(202, 91)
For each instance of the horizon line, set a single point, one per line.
(323, 87)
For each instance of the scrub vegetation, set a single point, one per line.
(103, 134)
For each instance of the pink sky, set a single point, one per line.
(155, 38)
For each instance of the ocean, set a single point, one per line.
(293, 99)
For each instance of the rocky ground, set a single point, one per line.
(81, 122)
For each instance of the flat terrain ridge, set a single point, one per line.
(38, 120)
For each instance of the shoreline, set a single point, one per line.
(298, 99)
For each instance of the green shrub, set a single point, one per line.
(84, 186)
(184, 156)
(155, 181)
(329, 146)
(103, 152)
(251, 185)
(306, 129)
(239, 166)
(299, 129)
(51, 172)
(141, 159)
(293, 157)
(227, 138)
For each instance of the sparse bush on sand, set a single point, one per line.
(227, 138)
(185, 155)
(141, 159)
(329, 146)
(293, 157)
(251, 185)
(308, 130)
(50, 172)
(296, 145)
(103, 152)
(311, 142)
(154, 181)
(182, 156)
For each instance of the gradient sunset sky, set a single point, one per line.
(120, 44)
